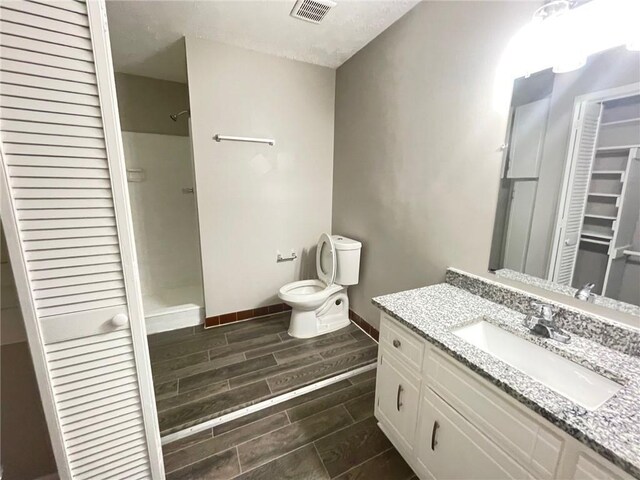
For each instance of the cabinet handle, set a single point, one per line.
(398, 402)
(396, 343)
(434, 432)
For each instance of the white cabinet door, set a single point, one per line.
(449, 447)
(397, 393)
(67, 221)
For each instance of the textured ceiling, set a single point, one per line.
(146, 35)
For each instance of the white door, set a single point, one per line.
(574, 201)
(397, 392)
(527, 139)
(516, 245)
(449, 447)
(66, 216)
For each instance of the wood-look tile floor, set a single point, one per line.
(202, 374)
(330, 433)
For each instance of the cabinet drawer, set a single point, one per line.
(397, 397)
(408, 346)
(449, 447)
(524, 438)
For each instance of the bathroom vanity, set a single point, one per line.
(464, 390)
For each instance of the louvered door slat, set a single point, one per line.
(8, 113)
(73, 252)
(53, 140)
(84, 457)
(66, 5)
(53, 245)
(10, 53)
(37, 33)
(43, 47)
(35, 93)
(111, 467)
(63, 168)
(47, 84)
(53, 193)
(88, 442)
(71, 233)
(51, 12)
(44, 105)
(50, 129)
(58, 172)
(573, 215)
(74, 271)
(44, 75)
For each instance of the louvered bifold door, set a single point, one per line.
(67, 209)
(584, 149)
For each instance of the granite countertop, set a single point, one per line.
(613, 430)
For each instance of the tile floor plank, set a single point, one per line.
(388, 465)
(211, 446)
(325, 402)
(193, 413)
(191, 396)
(319, 345)
(277, 443)
(281, 407)
(361, 407)
(351, 446)
(202, 379)
(221, 466)
(301, 464)
(320, 370)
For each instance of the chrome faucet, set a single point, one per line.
(584, 293)
(543, 323)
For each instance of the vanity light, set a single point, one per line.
(561, 37)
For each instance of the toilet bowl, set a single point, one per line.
(322, 306)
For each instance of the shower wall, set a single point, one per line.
(163, 210)
(160, 173)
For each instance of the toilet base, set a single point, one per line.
(331, 316)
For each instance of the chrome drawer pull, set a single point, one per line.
(396, 343)
(434, 431)
(398, 402)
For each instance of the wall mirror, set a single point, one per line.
(569, 197)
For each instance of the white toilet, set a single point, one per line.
(322, 306)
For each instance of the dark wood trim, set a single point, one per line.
(364, 325)
(242, 315)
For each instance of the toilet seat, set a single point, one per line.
(326, 259)
(311, 292)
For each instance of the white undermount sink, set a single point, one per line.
(573, 381)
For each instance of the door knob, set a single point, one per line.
(120, 320)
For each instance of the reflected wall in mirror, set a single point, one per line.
(569, 199)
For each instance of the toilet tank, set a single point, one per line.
(347, 260)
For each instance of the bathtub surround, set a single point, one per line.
(611, 430)
(257, 199)
(145, 103)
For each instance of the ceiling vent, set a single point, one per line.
(312, 10)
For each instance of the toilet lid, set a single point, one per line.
(326, 259)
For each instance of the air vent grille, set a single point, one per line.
(312, 10)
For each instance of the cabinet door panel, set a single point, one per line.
(451, 448)
(397, 394)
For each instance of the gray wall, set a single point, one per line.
(254, 199)
(146, 103)
(416, 165)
